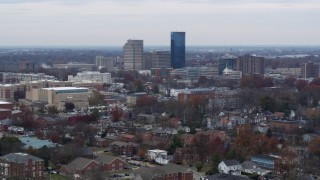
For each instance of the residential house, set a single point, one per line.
(187, 139)
(168, 172)
(111, 163)
(36, 143)
(225, 177)
(307, 138)
(266, 161)
(184, 155)
(126, 138)
(159, 156)
(212, 134)
(100, 142)
(80, 166)
(18, 165)
(252, 168)
(86, 165)
(124, 148)
(230, 167)
(4, 124)
(16, 130)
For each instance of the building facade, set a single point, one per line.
(161, 59)
(103, 62)
(178, 50)
(60, 95)
(17, 165)
(9, 78)
(227, 61)
(249, 64)
(93, 76)
(133, 55)
(310, 70)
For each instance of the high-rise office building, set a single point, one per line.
(147, 60)
(178, 50)
(248, 64)
(227, 61)
(133, 55)
(103, 62)
(161, 59)
(310, 70)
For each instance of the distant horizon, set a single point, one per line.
(206, 22)
(193, 45)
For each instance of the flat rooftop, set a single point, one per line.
(4, 102)
(66, 88)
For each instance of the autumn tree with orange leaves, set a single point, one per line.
(116, 114)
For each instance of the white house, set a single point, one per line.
(230, 167)
(159, 156)
(155, 152)
(252, 168)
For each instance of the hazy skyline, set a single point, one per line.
(112, 22)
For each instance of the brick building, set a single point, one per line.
(18, 165)
(103, 162)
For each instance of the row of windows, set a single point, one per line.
(72, 91)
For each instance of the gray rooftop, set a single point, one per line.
(231, 162)
(19, 158)
(78, 164)
(224, 177)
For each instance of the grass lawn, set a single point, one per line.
(56, 177)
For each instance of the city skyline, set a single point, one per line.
(111, 23)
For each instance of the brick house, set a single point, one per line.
(212, 134)
(187, 139)
(22, 165)
(126, 138)
(85, 165)
(111, 163)
(4, 124)
(80, 166)
(120, 148)
(168, 172)
(101, 142)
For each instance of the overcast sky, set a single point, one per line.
(206, 22)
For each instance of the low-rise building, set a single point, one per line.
(58, 96)
(21, 165)
(266, 161)
(93, 76)
(230, 167)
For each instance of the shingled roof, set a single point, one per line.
(19, 158)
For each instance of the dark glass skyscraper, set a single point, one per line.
(178, 50)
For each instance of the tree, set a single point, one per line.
(289, 82)
(268, 103)
(177, 142)
(21, 94)
(269, 133)
(155, 89)
(96, 99)
(138, 86)
(116, 114)
(52, 110)
(10, 144)
(214, 165)
(255, 81)
(69, 106)
(314, 146)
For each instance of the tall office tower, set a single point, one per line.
(103, 62)
(133, 55)
(178, 50)
(248, 64)
(310, 70)
(161, 59)
(147, 60)
(227, 61)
